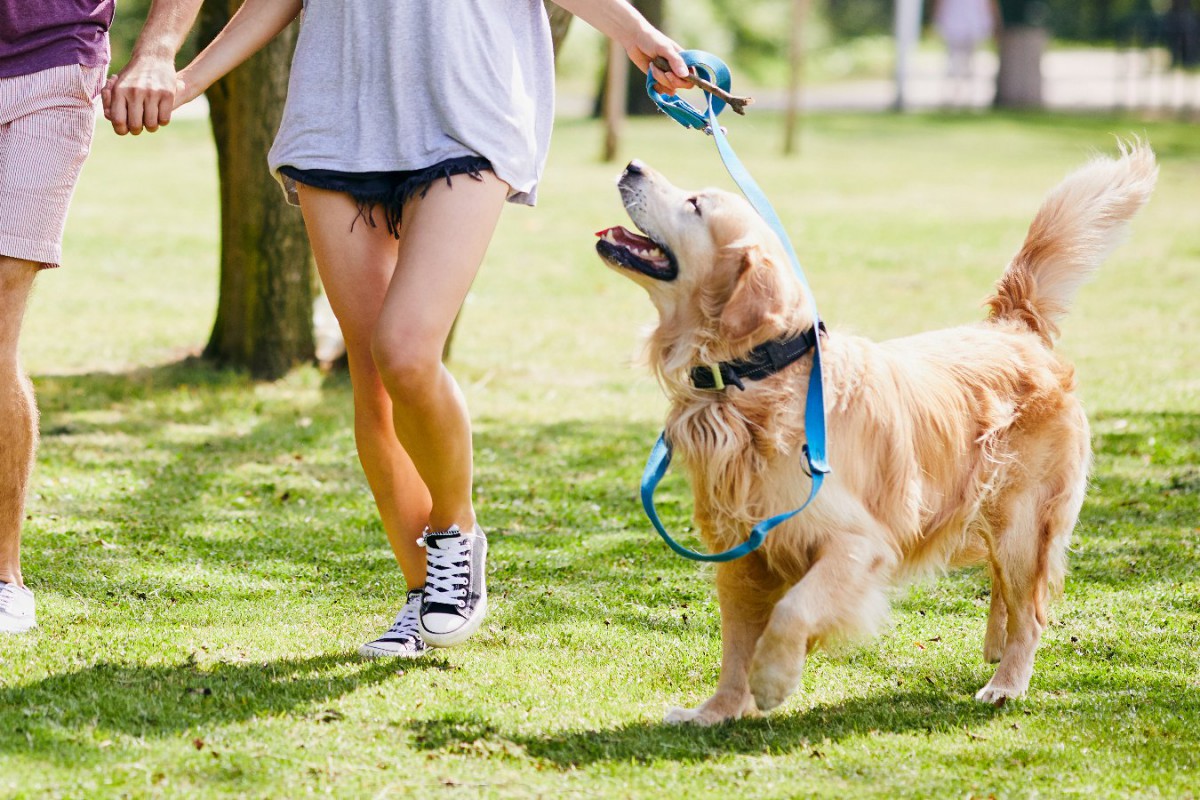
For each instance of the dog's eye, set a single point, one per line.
(695, 204)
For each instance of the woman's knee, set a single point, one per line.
(406, 366)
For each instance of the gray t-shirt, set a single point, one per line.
(381, 85)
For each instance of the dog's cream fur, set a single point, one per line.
(948, 448)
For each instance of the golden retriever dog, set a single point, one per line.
(948, 448)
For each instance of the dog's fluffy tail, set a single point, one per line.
(1080, 222)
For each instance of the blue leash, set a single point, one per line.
(715, 71)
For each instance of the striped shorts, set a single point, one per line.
(46, 125)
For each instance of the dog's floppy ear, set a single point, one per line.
(757, 298)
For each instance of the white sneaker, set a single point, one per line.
(401, 640)
(455, 600)
(17, 609)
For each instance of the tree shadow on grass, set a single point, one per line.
(200, 471)
(804, 732)
(1106, 712)
(161, 700)
(206, 480)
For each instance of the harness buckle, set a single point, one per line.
(718, 379)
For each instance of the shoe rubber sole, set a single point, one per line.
(461, 634)
(17, 624)
(366, 651)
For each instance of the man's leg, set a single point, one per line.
(48, 121)
(18, 415)
(18, 441)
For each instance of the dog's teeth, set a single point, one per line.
(608, 237)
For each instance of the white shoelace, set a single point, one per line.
(406, 621)
(446, 571)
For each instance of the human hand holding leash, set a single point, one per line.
(738, 104)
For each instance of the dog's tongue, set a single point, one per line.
(624, 237)
(640, 246)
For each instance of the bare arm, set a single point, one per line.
(255, 23)
(142, 94)
(622, 23)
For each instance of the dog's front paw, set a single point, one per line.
(775, 671)
(719, 708)
(771, 685)
(684, 716)
(997, 695)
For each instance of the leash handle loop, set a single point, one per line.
(707, 66)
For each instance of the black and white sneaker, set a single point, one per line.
(455, 600)
(402, 639)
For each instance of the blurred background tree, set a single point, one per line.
(264, 317)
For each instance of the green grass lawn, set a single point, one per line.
(207, 558)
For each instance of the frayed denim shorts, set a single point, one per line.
(387, 192)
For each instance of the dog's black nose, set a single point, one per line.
(635, 168)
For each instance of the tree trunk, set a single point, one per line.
(637, 101)
(796, 56)
(1022, 40)
(614, 109)
(560, 21)
(1019, 77)
(265, 307)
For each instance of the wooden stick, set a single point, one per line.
(738, 104)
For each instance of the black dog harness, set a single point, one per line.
(761, 362)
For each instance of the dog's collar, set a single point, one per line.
(761, 362)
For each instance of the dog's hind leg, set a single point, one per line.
(1015, 574)
(1028, 563)
(842, 593)
(745, 595)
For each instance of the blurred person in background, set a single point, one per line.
(963, 25)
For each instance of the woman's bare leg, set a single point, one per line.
(356, 263)
(444, 236)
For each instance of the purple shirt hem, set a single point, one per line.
(53, 33)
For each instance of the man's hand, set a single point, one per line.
(141, 96)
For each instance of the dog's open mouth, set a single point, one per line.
(639, 253)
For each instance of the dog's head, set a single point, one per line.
(713, 268)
